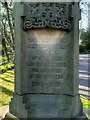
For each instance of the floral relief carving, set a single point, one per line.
(46, 15)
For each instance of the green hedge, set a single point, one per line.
(5, 67)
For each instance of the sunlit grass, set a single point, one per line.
(6, 87)
(5, 67)
(86, 103)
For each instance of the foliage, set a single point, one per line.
(7, 32)
(5, 67)
(86, 103)
(6, 86)
(82, 48)
(85, 37)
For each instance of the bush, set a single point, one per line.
(5, 67)
(85, 43)
(82, 49)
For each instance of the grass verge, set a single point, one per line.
(6, 87)
(86, 103)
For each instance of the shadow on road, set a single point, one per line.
(84, 75)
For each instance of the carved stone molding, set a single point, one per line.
(46, 15)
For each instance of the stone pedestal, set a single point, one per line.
(46, 61)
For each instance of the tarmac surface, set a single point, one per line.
(84, 75)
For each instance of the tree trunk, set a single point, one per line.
(5, 48)
(5, 34)
(9, 21)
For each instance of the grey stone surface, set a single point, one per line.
(48, 1)
(47, 62)
(43, 15)
(79, 117)
(45, 106)
(46, 69)
(52, 106)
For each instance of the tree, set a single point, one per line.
(7, 31)
(85, 37)
(84, 30)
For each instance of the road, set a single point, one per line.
(84, 75)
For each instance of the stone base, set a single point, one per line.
(9, 116)
(82, 117)
(45, 106)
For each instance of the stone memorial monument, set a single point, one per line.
(46, 60)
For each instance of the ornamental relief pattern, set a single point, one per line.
(46, 15)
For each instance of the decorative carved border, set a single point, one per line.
(46, 15)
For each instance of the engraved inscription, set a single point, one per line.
(57, 84)
(46, 62)
(58, 64)
(62, 46)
